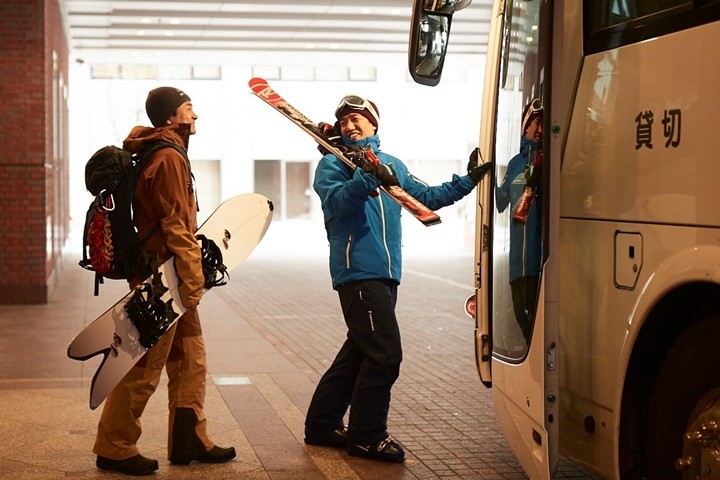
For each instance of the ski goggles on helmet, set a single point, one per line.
(354, 102)
(536, 108)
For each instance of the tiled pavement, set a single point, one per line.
(270, 334)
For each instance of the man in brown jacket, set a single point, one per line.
(165, 197)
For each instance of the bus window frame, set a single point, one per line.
(674, 19)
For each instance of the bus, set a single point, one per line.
(604, 345)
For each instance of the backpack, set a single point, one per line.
(111, 246)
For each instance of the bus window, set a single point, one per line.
(611, 24)
(517, 239)
(607, 13)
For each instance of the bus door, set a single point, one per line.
(523, 292)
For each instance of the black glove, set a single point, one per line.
(477, 172)
(332, 135)
(330, 131)
(382, 171)
(354, 153)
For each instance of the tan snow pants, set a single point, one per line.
(182, 352)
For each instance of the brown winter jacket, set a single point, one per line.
(165, 196)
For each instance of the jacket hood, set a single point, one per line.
(140, 136)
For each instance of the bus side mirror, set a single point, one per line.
(429, 34)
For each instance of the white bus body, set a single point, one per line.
(621, 371)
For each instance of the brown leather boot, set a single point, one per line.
(137, 465)
(187, 446)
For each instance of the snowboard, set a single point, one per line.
(262, 90)
(236, 227)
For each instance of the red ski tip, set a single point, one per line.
(257, 83)
(260, 88)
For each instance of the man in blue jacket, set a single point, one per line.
(364, 232)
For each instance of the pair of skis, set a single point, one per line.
(263, 91)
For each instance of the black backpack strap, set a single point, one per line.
(154, 146)
(98, 281)
(149, 234)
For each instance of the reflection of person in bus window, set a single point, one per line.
(519, 189)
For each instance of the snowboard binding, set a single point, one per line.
(214, 271)
(150, 315)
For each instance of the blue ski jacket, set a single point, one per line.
(364, 232)
(525, 240)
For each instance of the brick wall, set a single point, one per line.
(34, 207)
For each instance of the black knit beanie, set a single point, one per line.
(162, 102)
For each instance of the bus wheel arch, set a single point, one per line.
(678, 316)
